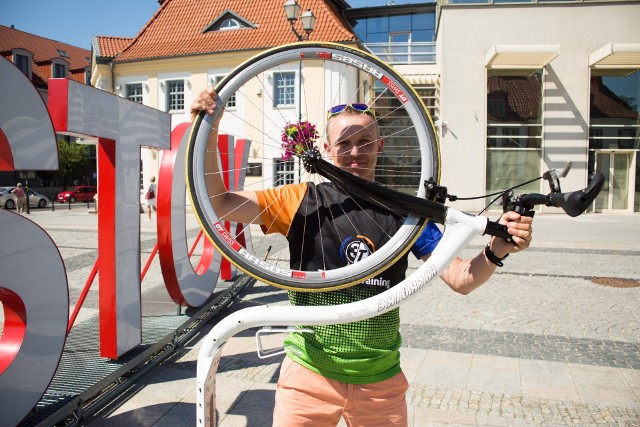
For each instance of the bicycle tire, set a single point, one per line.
(285, 277)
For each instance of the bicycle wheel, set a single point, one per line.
(333, 74)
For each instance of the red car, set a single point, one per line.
(83, 193)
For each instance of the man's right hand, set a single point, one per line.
(206, 101)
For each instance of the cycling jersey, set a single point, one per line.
(327, 229)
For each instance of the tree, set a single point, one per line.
(72, 159)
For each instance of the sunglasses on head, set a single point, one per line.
(362, 108)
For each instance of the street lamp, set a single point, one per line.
(308, 19)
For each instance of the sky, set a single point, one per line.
(75, 22)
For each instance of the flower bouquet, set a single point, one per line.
(298, 138)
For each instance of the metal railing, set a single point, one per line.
(404, 53)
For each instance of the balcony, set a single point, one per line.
(404, 53)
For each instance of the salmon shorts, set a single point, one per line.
(304, 398)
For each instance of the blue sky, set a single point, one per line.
(76, 21)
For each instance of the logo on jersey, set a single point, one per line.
(355, 249)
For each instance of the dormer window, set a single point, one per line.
(59, 69)
(228, 20)
(23, 63)
(22, 60)
(229, 24)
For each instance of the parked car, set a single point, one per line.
(38, 199)
(82, 193)
(8, 200)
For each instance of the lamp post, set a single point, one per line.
(308, 20)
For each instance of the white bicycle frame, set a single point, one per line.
(460, 229)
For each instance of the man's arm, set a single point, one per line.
(236, 206)
(463, 276)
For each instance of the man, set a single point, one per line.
(21, 198)
(350, 370)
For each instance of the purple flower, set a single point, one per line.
(297, 138)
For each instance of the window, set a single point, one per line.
(23, 62)
(59, 70)
(615, 111)
(407, 38)
(231, 103)
(283, 172)
(514, 130)
(229, 20)
(134, 92)
(399, 165)
(284, 88)
(175, 95)
(229, 24)
(254, 169)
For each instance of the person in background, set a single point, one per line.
(150, 197)
(21, 199)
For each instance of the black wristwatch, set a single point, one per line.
(493, 258)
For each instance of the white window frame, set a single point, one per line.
(122, 83)
(232, 103)
(284, 171)
(233, 24)
(136, 96)
(276, 75)
(163, 87)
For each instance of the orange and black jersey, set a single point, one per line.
(326, 229)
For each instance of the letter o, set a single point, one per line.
(34, 294)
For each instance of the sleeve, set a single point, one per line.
(427, 241)
(278, 207)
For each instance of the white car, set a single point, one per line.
(8, 200)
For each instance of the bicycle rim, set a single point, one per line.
(343, 75)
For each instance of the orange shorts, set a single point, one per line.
(304, 398)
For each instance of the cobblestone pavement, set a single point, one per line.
(541, 344)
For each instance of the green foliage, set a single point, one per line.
(72, 159)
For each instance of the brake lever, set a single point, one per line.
(553, 177)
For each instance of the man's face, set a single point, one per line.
(353, 144)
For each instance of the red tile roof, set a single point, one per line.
(43, 51)
(110, 47)
(176, 29)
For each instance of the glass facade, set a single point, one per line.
(614, 139)
(399, 165)
(399, 39)
(514, 131)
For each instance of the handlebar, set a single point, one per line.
(573, 203)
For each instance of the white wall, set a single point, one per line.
(466, 34)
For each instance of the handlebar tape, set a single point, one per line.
(576, 202)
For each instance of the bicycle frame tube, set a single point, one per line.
(460, 228)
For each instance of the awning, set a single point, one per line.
(616, 57)
(422, 79)
(520, 56)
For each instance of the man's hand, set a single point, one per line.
(520, 228)
(206, 101)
